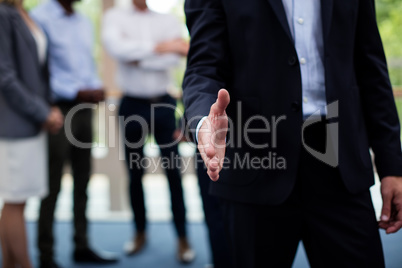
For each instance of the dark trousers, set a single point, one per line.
(164, 124)
(214, 220)
(62, 151)
(338, 229)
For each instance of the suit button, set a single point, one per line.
(292, 60)
(295, 106)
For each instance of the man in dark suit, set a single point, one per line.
(309, 96)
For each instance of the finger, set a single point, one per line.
(208, 154)
(219, 107)
(396, 223)
(212, 170)
(204, 156)
(394, 227)
(210, 150)
(383, 225)
(213, 175)
(207, 161)
(223, 99)
(213, 164)
(386, 206)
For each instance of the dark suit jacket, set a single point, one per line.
(24, 87)
(247, 48)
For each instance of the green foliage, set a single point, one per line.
(29, 4)
(390, 26)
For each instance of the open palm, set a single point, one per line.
(212, 135)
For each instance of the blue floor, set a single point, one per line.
(161, 247)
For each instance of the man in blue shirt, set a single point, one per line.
(73, 80)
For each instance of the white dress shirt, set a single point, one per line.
(305, 23)
(131, 35)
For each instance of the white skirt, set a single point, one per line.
(23, 168)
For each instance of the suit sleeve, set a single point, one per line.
(376, 94)
(14, 91)
(207, 64)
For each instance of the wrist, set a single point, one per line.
(199, 125)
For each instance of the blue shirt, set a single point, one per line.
(304, 19)
(71, 63)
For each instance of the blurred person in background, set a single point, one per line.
(146, 45)
(25, 115)
(73, 80)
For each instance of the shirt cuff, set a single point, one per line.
(199, 126)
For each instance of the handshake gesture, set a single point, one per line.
(212, 146)
(212, 135)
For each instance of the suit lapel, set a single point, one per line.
(326, 13)
(279, 11)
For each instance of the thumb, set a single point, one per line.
(386, 207)
(221, 103)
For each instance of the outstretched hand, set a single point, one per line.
(391, 214)
(212, 135)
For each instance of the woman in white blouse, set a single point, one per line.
(25, 113)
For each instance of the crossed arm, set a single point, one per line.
(142, 53)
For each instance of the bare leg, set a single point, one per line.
(13, 237)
